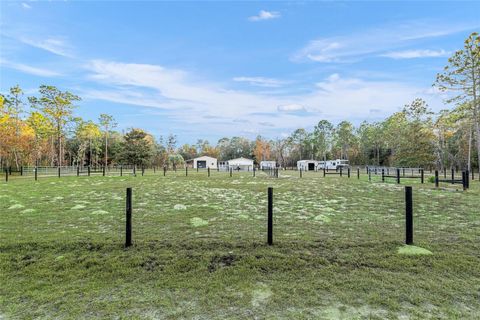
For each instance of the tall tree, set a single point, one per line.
(15, 103)
(107, 122)
(262, 149)
(345, 138)
(58, 106)
(138, 147)
(323, 136)
(462, 76)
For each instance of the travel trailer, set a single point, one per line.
(333, 164)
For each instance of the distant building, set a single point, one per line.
(308, 165)
(333, 164)
(268, 165)
(243, 164)
(203, 162)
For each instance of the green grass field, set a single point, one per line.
(200, 249)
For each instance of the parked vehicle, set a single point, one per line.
(333, 164)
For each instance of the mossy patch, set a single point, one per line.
(198, 222)
(261, 295)
(78, 207)
(413, 250)
(322, 218)
(16, 206)
(100, 212)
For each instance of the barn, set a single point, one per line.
(265, 165)
(308, 165)
(203, 162)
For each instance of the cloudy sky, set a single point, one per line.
(214, 69)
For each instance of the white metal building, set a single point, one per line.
(268, 165)
(308, 165)
(203, 162)
(240, 164)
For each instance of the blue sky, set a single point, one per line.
(214, 69)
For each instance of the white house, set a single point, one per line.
(308, 165)
(268, 165)
(333, 164)
(240, 164)
(203, 162)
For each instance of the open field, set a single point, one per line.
(199, 248)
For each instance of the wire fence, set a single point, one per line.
(185, 206)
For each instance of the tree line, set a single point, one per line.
(50, 134)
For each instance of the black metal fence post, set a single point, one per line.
(78, 171)
(436, 178)
(121, 171)
(21, 171)
(270, 217)
(186, 171)
(254, 172)
(422, 175)
(383, 175)
(59, 172)
(453, 175)
(369, 175)
(128, 211)
(36, 173)
(164, 171)
(398, 175)
(208, 169)
(231, 170)
(464, 181)
(408, 215)
(358, 173)
(341, 171)
(348, 172)
(467, 177)
(6, 175)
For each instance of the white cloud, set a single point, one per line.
(56, 46)
(291, 107)
(29, 69)
(353, 47)
(196, 104)
(26, 5)
(265, 15)
(260, 81)
(412, 54)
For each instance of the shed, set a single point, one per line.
(203, 162)
(308, 165)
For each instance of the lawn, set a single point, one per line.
(200, 248)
